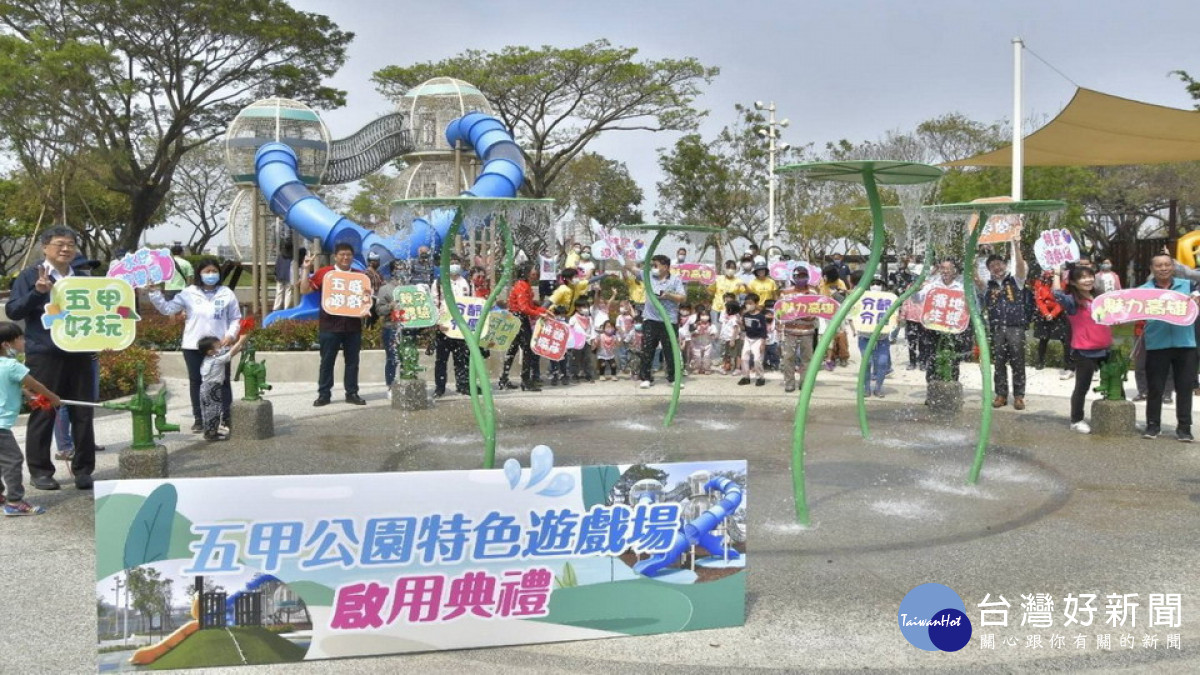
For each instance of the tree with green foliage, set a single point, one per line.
(201, 194)
(144, 82)
(150, 594)
(558, 100)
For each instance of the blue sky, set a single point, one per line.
(849, 69)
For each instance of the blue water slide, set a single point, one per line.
(699, 531)
(275, 169)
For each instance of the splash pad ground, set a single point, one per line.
(1054, 512)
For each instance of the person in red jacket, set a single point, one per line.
(1050, 323)
(521, 303)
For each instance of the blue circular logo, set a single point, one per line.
(932, 617)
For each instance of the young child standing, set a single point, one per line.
(212, 379)
(729, 334)
(703, 335)
(584, 362)
(606, 351)
(13, 376)
(754, 327)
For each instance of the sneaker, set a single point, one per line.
(1183, 436)
(1019, 403)
(682, 385)
(223, 428)
(389, 394)
(744, 380)
(1151, 432)
(1081, 427)
(760, 382)
(789, 388)
(1065, 374)
(316, 404)
(22, 508)
(829, 365)
(645, 384)
(198, 427)
(878, 393)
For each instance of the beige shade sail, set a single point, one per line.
(1098, 129)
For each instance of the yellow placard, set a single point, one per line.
(91, 314)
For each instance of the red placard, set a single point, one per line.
(345, 293)
(792, 306)
(945, 310)
(1144, 304)
(550, 339)
(696, 273)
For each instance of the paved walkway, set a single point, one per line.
(1054, 513)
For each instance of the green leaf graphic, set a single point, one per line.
(149, 537)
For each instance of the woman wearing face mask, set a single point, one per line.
(212, 310)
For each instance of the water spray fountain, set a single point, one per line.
(672, 335)
(871, 173)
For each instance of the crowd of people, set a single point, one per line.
(733, 331)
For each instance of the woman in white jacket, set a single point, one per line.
(212, 310)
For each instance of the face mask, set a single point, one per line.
(586, 256)
(746, 266)
(681, 259)
(1106, 266)
(609, 331)
(625, 311)
(750, 308)
(655, 273)
(876, 287)
(730, 272)
(584, 311)
(210, 278)
(637, 327)
(455, 270)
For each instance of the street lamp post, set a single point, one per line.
(771, 133)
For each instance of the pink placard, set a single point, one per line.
(144, 267)
(792, 306)
(945, 310)
(1144, 304)
(696, 273)
(1055, 247)
(782, 270)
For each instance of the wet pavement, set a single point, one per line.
(1054, 512)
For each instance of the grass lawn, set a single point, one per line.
(212, 647)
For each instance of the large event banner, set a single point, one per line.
(1144, 304)
(272, 569)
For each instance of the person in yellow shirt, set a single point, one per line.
(729, 282)
(573, 256)
(569, 291)
(832, 286)
(633, 283)
(763, 285)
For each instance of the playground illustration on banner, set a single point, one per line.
(315, 567)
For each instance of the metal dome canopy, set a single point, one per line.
(283, 120)
(433, 104)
